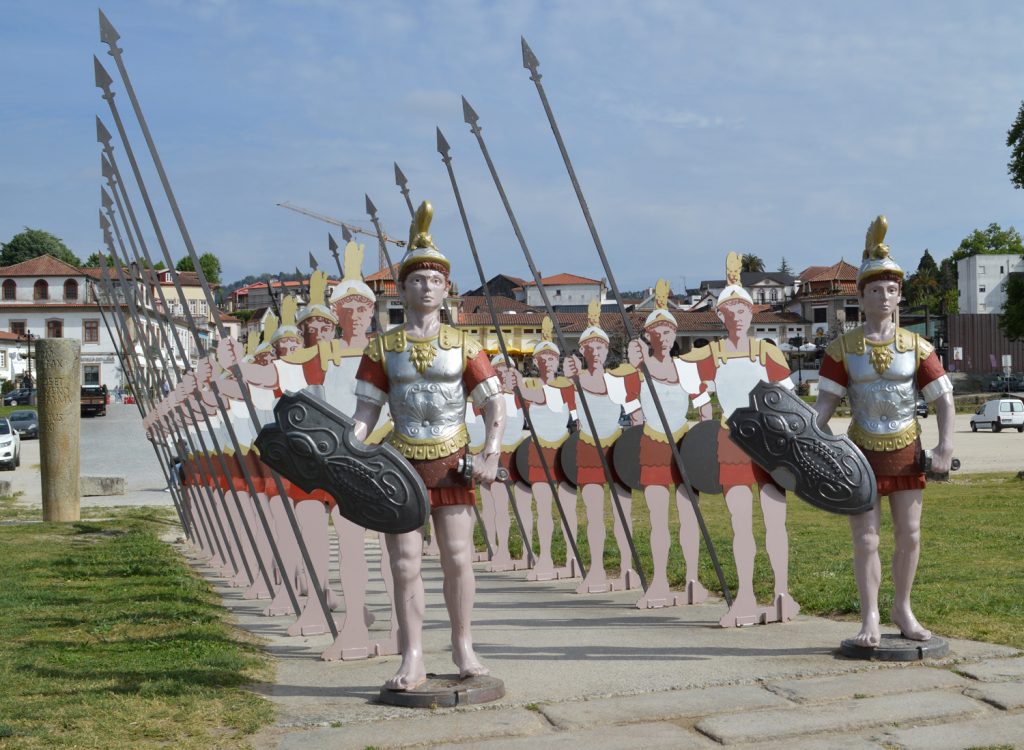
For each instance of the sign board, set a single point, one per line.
(958, 353)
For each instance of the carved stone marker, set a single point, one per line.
(60, 386)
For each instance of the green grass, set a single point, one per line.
(6, 410)
(970, 581)
(108, 640)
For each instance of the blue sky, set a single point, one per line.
(779, 129)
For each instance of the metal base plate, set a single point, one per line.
(445, 691)
(897, 648)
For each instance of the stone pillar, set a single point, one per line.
(59, 382)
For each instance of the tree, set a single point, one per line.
(1012, 319)
(752, 263)
(31, 244)
(93, 261)
(993, 240)
(207, 261)
(922, 288)
(1015, 140)
(784, 267)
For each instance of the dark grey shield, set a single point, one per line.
(779, 433)
(313, 446)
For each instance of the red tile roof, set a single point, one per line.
(563, 279)
(384, 274)
(478, 303)
(8, 336)
(44, 265)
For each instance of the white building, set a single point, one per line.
(564, 289)
(982, 279)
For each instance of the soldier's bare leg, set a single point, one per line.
(776, 542)
(657, 594)
(354, 574)
(744, 610)
(454, 524)
(258, 589)
(906, 521)
(628, 578)
(568, 499)
(867, 569)
(405, 551)
(593, 501)
(502, 524)
(312, 518)
(289, 550)
(523, 499)
(544, 568)
(689, 540)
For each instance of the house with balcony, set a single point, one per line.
(826, 296)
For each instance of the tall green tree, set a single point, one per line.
(752, 263)
(93, 261)
(1015, 140)
(1011, 321)
(31, 244)
(923, 288)
(209, 262)
(784, 266)
(993, 240)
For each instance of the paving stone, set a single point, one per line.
(994, 670)
(91, 486)
(663, 706)
(655, 736)
(870, 683)
(1001, 730)
(819, 742)
(840, 716)
(450, 727)
(1004, 695)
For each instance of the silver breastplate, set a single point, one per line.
(428, 406)
(882, 404)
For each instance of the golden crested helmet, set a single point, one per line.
(547, 345)
(660, 314)
(317, 294)
(593, 329)
(421, 251)
(352, 284)
(876, 264)
(734, 290)
(287, 329)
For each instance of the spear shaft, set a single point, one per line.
(531, 63)
(444, 149)
(472, 120)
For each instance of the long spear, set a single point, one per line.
(472, 119)
(110, 36)
(531, 63)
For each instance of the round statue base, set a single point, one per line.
(445, 691)
(897, 648)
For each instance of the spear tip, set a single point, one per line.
(530, 61)
(105, 169)
(105, 198)
(442, 143)
(108, 34)
(400, 176)
(469, 114)
(370, 208)
(345, 234)
(312, 262)
(332, 245)
(102, 134)
(104, 224)
(103, 79)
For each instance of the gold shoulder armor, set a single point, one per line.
(532, 383)
(394, 340)
(772, 352)
(623, 370)
(302, 356)
(696, 355)
(560, 382)
(835, 349)
(924, 348)
(905, 340)
(448, 337)
(470, 347)
(374, 350)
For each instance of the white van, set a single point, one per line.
(999, 413)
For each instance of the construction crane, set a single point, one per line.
(349, 227)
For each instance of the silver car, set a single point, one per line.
(10, 445)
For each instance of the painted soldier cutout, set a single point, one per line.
(496, 510)
(551, 405)
(426, 370)
(609, 393)
(735, 365)
(353, 304)
(678, 385)
(880, 367)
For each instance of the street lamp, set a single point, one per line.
(27, 336)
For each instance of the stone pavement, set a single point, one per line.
(593, 671)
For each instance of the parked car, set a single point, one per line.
(94, 400)
(1003, 384)
(26, 422)
(921, 408)
(999, 413)
(19, 397)
(10, 445)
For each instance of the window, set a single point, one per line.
(18, 327)
(203, 308)
(55, 329)
(192, 306)
(10, 289)
(981, 289)
(981, 269)
(90, 374)
(91, 331)
(1002, 270)
(820, 315)
(775, 295)
(70, 289)
(3, 359)
(41, 290)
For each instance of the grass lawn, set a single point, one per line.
(970, 582)
(107, 640)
